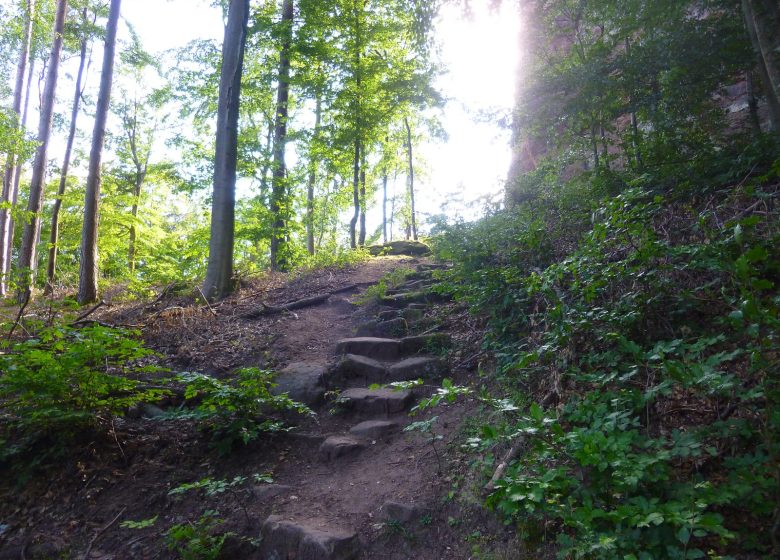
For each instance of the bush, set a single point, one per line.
(65, 382)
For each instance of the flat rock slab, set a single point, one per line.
(376, 348)
(421, 367)
(376, 401)
(409, 248)
(396, 327)
(339, 446)
(285, 540)
(267, 492)
(405, 299)
(426, 342)
(302, 381)
(353, 367)
(404, 513)
(420, 306)
(375, 429)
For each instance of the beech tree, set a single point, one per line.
(27, 253)
(51, 268)
(280, 203)
(219, 276)
(88, 277)
(9, 179)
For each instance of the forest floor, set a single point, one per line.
(77, 509)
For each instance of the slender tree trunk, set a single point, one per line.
(18, 173)
(411, 177)
(392, 206)
(88, 277)
(51, 269)
(384, 206)
(605, 148)
(312, 180)
(279, 195)
(755, 121)
(595, 146)
(355, 197)
(219, 276)
(762, 19)
(635, 139)
(363, 199)
(27, 260)
(141, 164)
(9, 178)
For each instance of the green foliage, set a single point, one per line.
(66, 382)
(142, 524)
(199, 540)
(660, 340)
(234, 410)
(389, 281)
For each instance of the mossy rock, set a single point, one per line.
(395, 248)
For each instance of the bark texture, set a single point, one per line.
(279, 194)
(27, 260)
(411, 177)
(762, 19)
(9, 179)
(51, 269)
(88, 277)
(219, 276)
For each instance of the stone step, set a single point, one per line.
(408, 314)
(376, 348)
(396, 327)
(421, 367)
(307, 540)
(358, 369)
(302, 381)
(426, 342)
(336, 447)
(404, 299)
(375, 429)
(376, 402)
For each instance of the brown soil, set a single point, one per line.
(80, 503)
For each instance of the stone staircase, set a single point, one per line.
(384, 351)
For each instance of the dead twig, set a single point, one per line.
(276, 309)
(22, 307)
(103, 530)
(83, 316)
(208, 304)
(513, 452)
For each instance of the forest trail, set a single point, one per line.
(347, 484)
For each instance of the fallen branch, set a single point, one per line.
(103, 530)
(207, 301)
(19, 315)
(513, 452)
(83, 316)
(276, 309)
(85, 322)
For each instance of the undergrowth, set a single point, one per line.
(647, 339)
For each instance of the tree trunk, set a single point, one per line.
(27, 260)
(392, 205)
(755, 121)
(9, 179)
(141, 164)
(51, 269)
(279, 192)
(219, 276)
(363, 201)
(635, 139)
(762, 19)
(411, 177)
(88, 277)
(355, 197)
(312, 179)
(18, 171)
(384, 206)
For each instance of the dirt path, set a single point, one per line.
(375, 494)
